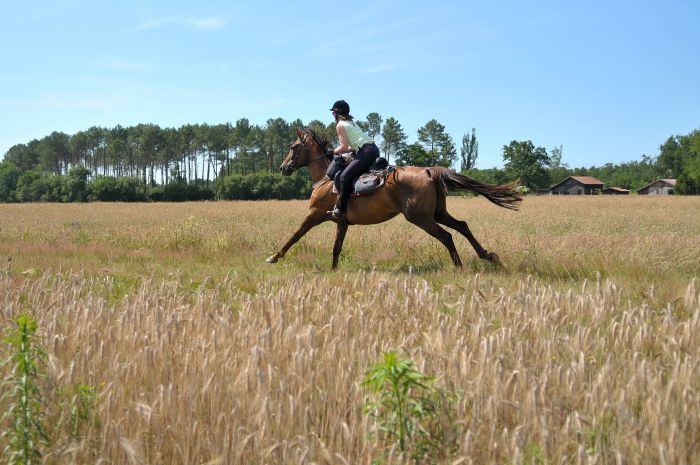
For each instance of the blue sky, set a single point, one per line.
(609, 81)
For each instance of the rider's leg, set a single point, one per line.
(365, 158)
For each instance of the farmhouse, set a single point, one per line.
(615, 191)
(660, 187)
(577, 185)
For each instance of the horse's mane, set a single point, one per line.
(321, 140)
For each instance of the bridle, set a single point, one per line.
(292, 165)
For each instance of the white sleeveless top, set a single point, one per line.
(356, 137)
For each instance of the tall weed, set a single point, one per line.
(26, 433)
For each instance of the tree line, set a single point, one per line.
(678, 158)
(240, 161)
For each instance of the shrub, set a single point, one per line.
(406, 406)
(111, 189)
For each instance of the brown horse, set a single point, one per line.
(418, 193)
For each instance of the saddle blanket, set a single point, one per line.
(366, 184)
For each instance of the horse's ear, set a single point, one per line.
(300, 133)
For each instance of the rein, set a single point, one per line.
(312, 160)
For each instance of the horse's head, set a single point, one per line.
(305, 150)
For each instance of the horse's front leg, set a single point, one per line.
(314, 218)
(339, 238)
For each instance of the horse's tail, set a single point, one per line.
(505, 196)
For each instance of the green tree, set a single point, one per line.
(9, 175)
(372, 125)
(77, 183)
(97, 149)
(679, 158)
(528, 163)
(55, 152)
(323, 130)
(489, 175)
(689, 180)
(276, 142)
(413, 155)
(557, 170)
(23, 156)
(243, 142)
(470, 150)
(33, 186)
(393, 138)
(151, 142)
(437, 144)
(117, 141)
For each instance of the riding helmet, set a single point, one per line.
(341, 107)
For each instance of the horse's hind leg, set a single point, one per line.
(434, 229)
(442, 216)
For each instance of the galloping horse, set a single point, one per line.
(418, 193)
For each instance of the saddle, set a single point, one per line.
(368, 182)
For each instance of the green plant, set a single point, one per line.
(26, 435)
(406, 405)
(599, 437)
(79, 409)
(533, 454)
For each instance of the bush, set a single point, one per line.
(77, 183)
(9, 175)
(263, 186)
(181, 191)
(111, 189)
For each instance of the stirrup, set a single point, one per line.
(336, 214)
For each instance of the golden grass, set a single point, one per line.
(585, 350)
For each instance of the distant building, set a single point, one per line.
(615, 191)
(577, 185)
(660, 187)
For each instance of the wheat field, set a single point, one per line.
(585, 349)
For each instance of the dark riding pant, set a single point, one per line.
(367, 154)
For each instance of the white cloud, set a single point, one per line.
(201, 24)
(207, 24)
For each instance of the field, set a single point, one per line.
(169, 340)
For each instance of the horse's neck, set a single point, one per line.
(317, 169)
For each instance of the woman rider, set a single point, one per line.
(352, 139)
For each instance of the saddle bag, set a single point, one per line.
(367, 183)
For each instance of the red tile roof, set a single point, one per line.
(587, 180)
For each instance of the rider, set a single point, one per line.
(352, 139)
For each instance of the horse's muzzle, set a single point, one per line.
(287, 169)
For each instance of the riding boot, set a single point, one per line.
(341, 207)
(345, 193)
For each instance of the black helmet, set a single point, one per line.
(341, 107)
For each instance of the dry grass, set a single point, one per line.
(584, 351)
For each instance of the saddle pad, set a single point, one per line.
(366, 184)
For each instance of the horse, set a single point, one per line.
(419, 193)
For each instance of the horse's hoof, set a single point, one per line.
(272, 259)
(493, 258)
